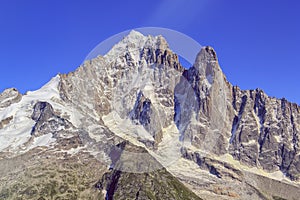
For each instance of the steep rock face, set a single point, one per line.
(136, 65)
(260, 131)
(142, 80)
(47, 121)
(209, 126)
(265, 132)
(226, 181)
(135, 107)
(143, 113)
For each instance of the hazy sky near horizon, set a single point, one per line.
(257, 41)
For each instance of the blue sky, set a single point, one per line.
(257, 41)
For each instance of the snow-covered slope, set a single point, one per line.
(15, 134)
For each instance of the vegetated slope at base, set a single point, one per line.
(154, 184)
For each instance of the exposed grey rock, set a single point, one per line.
(9, 96)
(260, 131)
(47, 121)
(140, 82)
(5, 121)
(144, 114)
(232, 183)
(42, 111)
(246, 124)
(265, 132)
(108, 84)
(212, 113)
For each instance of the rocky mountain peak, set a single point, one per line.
(207, 53)
(136, 102)
(133, 34)
(135, 46)
(206, 63)
(138, 40)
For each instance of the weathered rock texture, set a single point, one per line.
(47, 121)
(9, 96)
(257, 130)
(100, 132)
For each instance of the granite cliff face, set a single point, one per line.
(263, 131)
(136, 124)
(271, 139)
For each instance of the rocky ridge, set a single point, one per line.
(220, 141)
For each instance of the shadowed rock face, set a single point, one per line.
(42, 111)
(145, 114)
(47, 121)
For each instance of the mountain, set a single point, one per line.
(135, 124)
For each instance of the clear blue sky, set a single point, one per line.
(257, 41)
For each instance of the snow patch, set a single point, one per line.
(278, 175)
(278, 138)
(168, 151)
(251, 142)
(125, 129)
(44, 140)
